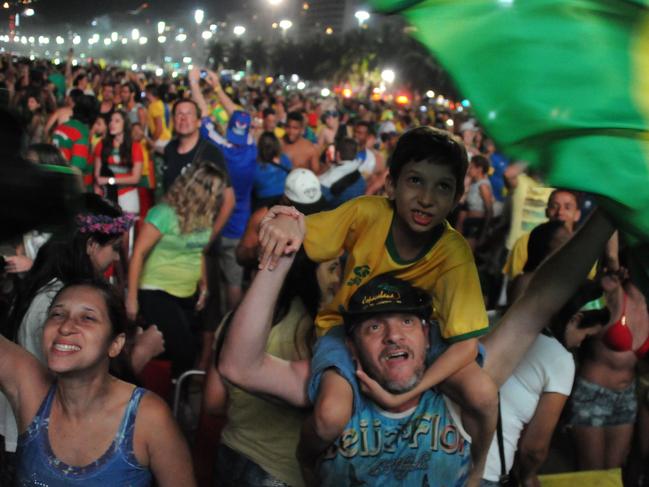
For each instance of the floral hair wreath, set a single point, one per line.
(104, 224)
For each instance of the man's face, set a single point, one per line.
(563, 207)
(392, 349)
(185, 120)
(360, 135)
(107, 93)
(125, 94)
(269, 123)
(293, 130)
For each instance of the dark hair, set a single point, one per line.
(186, 100)
(48, 154)
(78, 78)
(538, 246)
(268, 147)
(125, 147)
(366, 124)
(119, 322)
(86, 109)
(75, 93)
(348, 148)
(588, 291)
(295, 116)
(575, 194)
(434, 146)
(268, 111)
(64, 258)
(482, 162)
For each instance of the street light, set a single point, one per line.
(162, 39)
(161, 27)
(28, 12)
(182, 37)
(114, 36)
(239, 30)
(107, 41)
(199, 15)
(135, 34)
(285, 24)
(76, 40)
(388, 75)
(274, 3)
(206, 35)
(143, 40)
(362, 16)
(60, 40)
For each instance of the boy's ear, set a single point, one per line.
(390, 186)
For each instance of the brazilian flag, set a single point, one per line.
(561, 84)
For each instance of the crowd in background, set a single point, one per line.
(178, 175)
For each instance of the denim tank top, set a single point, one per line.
(37, 465)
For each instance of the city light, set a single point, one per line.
(5, 5)
(325, 92)
(388, 75)
(28, 12)
(159, 71)
(187, 60)
(402, 100)
(107, 41)
(124, 40)
(301, 85)
(31, 39)
(114, 36)
(213, 27)
(76, 40)
(285, 24)
(161, 27)
(162, 39)
(239, 30)
(347, 93)
(362, 16)
(430, 94)
(60, 40)
(329, 31)
(206, 35)
(182, 37)
(135, 34)
(199, 16)
(274, 3)
(143, 40)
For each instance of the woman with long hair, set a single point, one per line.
(167, 261)
(271, 171)
(118, 164)
(77, 421)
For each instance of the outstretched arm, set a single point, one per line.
(197, 95)
(244, 360)
(554, 282)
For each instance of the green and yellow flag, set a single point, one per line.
(562, 84)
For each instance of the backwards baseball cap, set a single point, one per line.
(385, 294)
(303, 190)
(238, 127)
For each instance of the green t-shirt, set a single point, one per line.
(174, 264)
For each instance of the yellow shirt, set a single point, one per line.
(447, 270)
(267, 432)
(529, 201)
(159, 109)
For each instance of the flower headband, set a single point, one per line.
(89, 223)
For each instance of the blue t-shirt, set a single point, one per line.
(270, 178)
(499, 163)
(421, 447)
(241, 161)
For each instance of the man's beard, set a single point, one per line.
(399, 388)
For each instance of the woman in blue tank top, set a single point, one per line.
(78, 424)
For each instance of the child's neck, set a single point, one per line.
(408, 244)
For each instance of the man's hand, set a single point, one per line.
(18, 263)
(194, 75)
(379, 395)
(281, 232)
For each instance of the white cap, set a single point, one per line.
(302, 186)
(469, 125)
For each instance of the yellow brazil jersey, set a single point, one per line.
(446, 268)
(158, 109)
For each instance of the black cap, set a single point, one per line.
(385, 294)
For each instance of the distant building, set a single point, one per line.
(337, 15)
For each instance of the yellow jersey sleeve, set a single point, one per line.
(458, 304)
(329, 232)
(517, 257)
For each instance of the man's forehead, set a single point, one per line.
(562, 196)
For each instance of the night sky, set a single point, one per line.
(76, 12)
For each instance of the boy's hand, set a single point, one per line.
(379, 395)
(281, 232)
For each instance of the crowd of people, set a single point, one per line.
(376, 294)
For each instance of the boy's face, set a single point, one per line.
(423, 195)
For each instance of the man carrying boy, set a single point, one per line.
(406, 235)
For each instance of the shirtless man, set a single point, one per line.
(300, 151)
